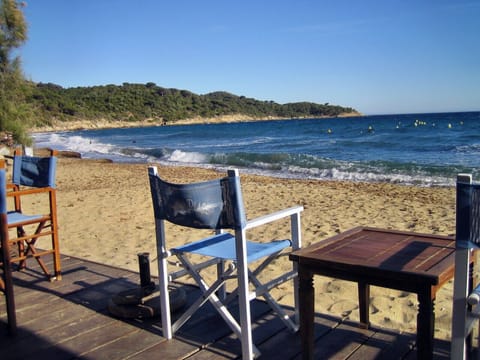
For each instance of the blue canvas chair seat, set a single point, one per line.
(15, 217)
(34, 176)
(218, 205)
(466, 296)
(222, 246)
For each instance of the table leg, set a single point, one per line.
(425, 324)
(364, 304)
(306, 302)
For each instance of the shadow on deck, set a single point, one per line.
(68, 319)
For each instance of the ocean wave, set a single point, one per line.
(88, 147)
(341, 174)
(313, 167)
(272, 164)
(468, 149)
(396, 151)
(73, 143)
(187, 157)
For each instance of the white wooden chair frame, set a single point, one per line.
(466, 307)
(215, 292)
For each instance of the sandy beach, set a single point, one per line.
(105, 215)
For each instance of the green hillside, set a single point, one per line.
(138, 102)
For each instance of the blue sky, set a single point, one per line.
(377, 56)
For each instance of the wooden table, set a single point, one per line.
(406, 261)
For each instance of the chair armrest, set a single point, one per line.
(273, 217)
(16, 193)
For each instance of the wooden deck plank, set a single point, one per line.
(265, 326)
(26, 305)
(125, 347)
(290, 343)
(213, 354)
(385, 344)
(68, 319)
(52, 317)
(55, 335)
(167, 350)
(77, 275)
(341, 342)
(83, 341)
(210, 327)
(97, 337)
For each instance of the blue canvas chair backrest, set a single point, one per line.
(468, 213)
(215, 204)
(34, 171)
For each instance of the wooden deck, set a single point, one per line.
(69, 319)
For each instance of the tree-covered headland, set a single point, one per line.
(138, 102)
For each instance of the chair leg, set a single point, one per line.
(33, 251)
(459, 314)
(30, 249)
(243, 296)
(164, 296)
(293, 326)
(26, 248)
(244, 333)
(263, 290)
(208, 294)
(7, 280)
(57, 268)
(55, 240)
(21, 247)
(296, 231)
(248, 349)
(10, 299)
(222, 291)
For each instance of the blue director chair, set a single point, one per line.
(466, 296)
(33, 178)
(6, 281)
(218, 205)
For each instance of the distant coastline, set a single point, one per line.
(137, 105)
(72, 125)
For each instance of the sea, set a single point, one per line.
(409, 149)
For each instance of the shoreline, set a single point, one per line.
(73, 125)
(45, 151)
(105, 215)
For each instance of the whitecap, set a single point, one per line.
(187, 157)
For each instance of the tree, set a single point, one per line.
(14, 110)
